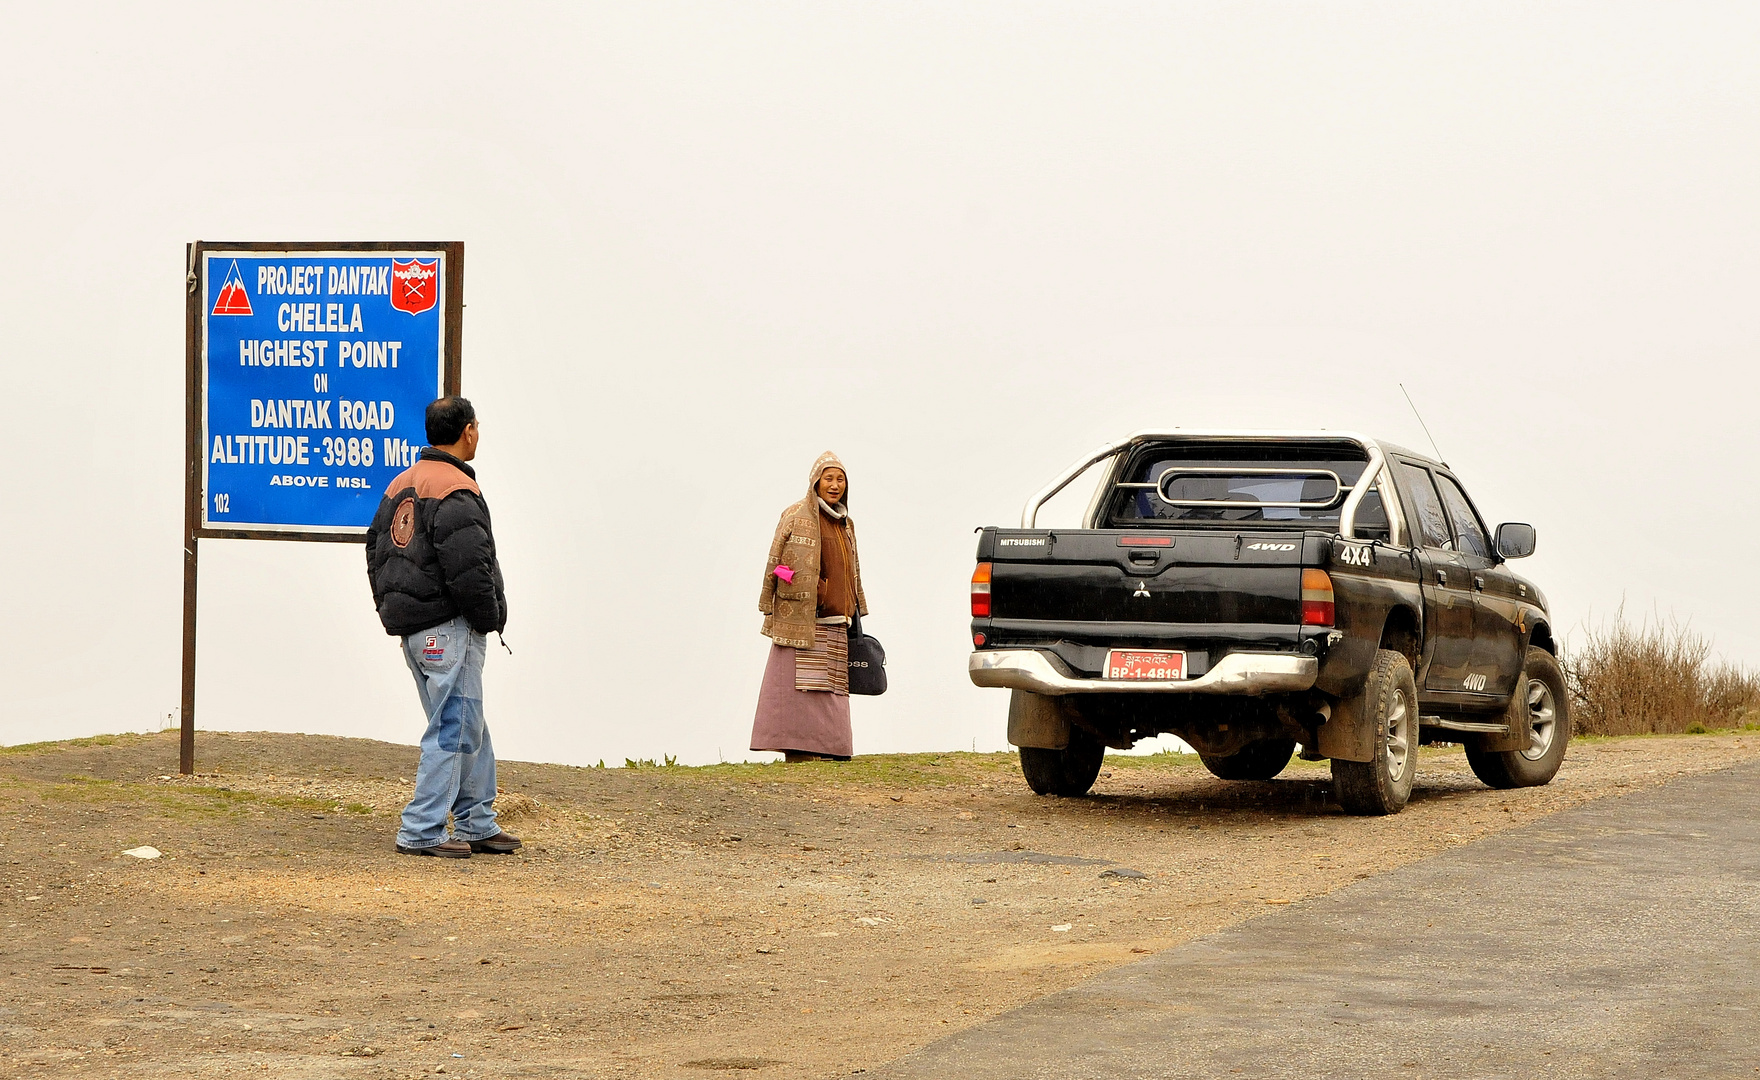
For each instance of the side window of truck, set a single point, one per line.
(1468, 531)
(1426, 507)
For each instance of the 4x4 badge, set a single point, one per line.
(1142, 590)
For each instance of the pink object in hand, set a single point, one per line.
(785, 573)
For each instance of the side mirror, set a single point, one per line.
(1515, 540)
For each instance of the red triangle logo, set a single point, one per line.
(233, 300)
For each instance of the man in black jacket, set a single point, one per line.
(437, 585)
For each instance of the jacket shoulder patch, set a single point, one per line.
(437, 479)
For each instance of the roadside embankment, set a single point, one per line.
(800, 920)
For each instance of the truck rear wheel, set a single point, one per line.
(1256, 761)
(1070, 771)
(1546, 712)
(1383, 784)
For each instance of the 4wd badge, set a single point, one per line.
(1352, 555)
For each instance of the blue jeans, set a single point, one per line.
(457, 773)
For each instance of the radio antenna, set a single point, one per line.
(1420, 416)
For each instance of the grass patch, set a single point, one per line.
(1160, 759)
(178, 801)
(952, 769)
(71, 744)
(1594, 740)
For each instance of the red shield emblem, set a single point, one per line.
(414, 284)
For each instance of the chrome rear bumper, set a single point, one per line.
(1236, 673)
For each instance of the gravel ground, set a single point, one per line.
(809, 920)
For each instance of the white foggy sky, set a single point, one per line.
(958, 243)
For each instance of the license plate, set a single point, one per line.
(1143, 664)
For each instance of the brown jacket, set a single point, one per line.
(790, 610)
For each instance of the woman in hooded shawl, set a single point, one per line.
(812, 585)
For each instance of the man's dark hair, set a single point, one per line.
(447, 418)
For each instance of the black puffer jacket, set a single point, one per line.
(431, 553)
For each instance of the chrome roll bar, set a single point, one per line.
(1376, 470)
(1030, 512)
(1160, 488)
(1347, 518)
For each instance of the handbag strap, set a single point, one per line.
(855, 578)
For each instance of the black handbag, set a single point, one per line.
(867, 661)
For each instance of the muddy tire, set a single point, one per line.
(1547, 715)
(1383, 784)
(1068, 772)
(1256, 761)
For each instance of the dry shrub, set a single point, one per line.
(512, 804)
(1657, 677)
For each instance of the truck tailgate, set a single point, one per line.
(1132, 584)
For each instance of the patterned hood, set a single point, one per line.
(827, 460)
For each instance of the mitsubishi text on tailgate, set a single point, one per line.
(1255, 591)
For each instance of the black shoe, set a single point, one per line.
(499, 844)
(450, 849)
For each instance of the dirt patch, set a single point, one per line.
(806, 920)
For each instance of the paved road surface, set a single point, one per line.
(1618, 939)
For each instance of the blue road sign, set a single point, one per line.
(317, 368)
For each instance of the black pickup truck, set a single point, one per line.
(1252, 592)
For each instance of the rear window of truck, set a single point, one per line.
(1192, 486)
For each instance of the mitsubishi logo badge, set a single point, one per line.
(1142, 590)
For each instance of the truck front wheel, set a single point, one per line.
(1256, 761)
(1544, 708)
(1070, 771)
(1383, 784)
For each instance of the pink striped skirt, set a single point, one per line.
(813, 721)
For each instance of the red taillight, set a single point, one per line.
(981, 591)
(978, 640)
(1317, 607)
